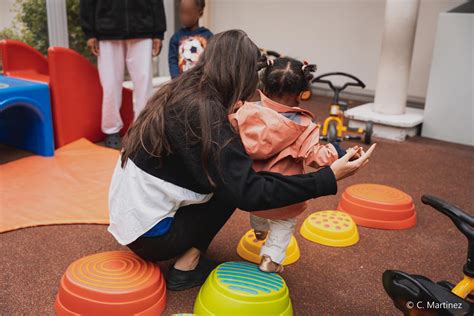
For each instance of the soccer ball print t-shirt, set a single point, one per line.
(190, 48)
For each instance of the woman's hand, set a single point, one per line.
(345, 167)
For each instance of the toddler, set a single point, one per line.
(281, 137)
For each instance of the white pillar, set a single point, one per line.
(389, 114)
(57, 23)
(395, 59)
(163, 69)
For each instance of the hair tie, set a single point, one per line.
(305, 64)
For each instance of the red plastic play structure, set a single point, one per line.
(23, 61)
(77, 97)
(76, 93)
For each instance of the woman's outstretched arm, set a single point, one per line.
(231, 170)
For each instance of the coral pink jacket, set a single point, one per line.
(281, 139)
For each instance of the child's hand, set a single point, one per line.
(359, 152)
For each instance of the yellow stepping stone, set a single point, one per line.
(241, 289)
(249, 249)
(330, 228)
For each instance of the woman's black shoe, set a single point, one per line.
(179, 280)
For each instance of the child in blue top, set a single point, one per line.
(189, 42)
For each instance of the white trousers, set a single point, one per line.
(279, 235)
(136, 53)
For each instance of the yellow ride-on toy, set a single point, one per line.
(334, 129)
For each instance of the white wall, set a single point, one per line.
(449, 110)
(6, 16)
(425, 41)
(339, 35)
(163, 69)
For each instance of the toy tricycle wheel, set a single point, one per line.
(332, 132)
(368, 132)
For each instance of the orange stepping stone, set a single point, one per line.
(378, 206)
(111, 283)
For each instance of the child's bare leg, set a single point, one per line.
(260, 226)
(274, 250)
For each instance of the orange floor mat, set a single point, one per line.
(69, 188)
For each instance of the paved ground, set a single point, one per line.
(325, 281)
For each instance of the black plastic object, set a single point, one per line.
(417, 295)
(463, 221)
(369, 126)
(332, 132)
(450, 286)
(337, 90)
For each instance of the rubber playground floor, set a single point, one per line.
(325, 281)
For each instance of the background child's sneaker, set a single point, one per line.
(113, 141)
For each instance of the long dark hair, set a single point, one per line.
(201, 98)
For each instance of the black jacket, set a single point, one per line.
(236, 181)
(123, 19)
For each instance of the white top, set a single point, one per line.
(138, 201)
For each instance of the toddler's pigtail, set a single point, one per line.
(264, 62)
(308, 69)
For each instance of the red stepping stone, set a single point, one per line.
(378, 206)
(111, 283)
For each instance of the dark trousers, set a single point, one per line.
(193, 226)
